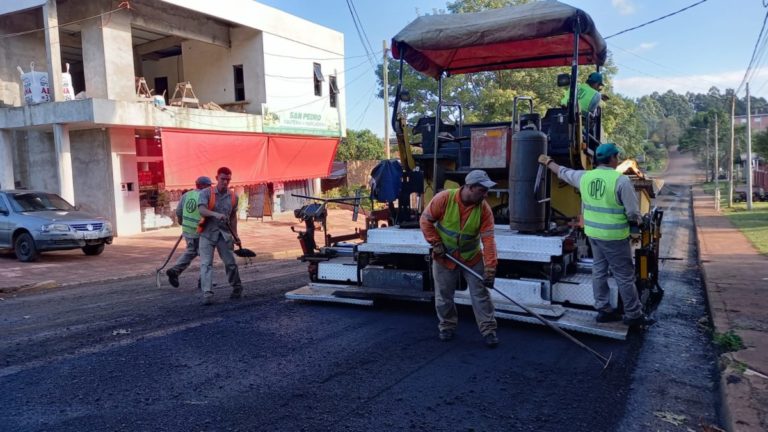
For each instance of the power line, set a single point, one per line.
(309, 77)
(362, 27)
(655, 20)
(122, 6)
(316, 58)
(656, 63)
(754, 54)
(359, 34)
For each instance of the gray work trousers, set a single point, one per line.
(189, 254)
(225, 245)
(446, 283)
(616, 256)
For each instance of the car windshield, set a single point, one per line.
(38, 201)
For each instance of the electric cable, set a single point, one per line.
(122, 6)
(316, 58)
(656, 63)
(655, 20)
(359, 34)
(362, 28)
(312, 77)
(754, 54)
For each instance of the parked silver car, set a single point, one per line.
(32, 222)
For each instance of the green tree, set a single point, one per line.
(360, 145)
(760, 143)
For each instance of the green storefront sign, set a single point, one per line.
(301, 122)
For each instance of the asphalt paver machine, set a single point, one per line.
(544, 257)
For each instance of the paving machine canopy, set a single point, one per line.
(533, 35)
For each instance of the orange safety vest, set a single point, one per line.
(211, 205)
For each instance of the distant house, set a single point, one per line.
(759, 122)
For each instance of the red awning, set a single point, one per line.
(253, 158)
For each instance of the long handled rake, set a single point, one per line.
(603, 360)
(159, 269)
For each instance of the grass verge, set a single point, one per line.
(753, 224)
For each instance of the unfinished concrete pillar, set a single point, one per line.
(6, 160)
(64, 162)
(53, 50)
(108, 56)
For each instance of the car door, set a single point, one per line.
(5, 223)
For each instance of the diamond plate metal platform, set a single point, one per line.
(577, 289)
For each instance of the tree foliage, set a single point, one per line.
(639, 126)
(360, 145)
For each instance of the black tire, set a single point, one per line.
(93, 250)
(25, 249)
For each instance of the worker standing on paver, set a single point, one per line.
(609, 205)
(218, 230)
(455, 222)
(188, 216)
(587, 93)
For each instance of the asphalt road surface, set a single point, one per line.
(126, 356)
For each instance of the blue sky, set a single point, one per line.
(708, 45)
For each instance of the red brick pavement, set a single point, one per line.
(141, 254)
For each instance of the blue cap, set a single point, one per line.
(605, 151)
(203, 181)
(595, 78)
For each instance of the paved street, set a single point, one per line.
(124, 355)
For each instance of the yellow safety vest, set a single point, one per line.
(190, 216)
(587, 97)
(604, 217)
(467, 239)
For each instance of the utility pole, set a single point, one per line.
(385, 78)
(730, 159)
(717, 171)
(706, 153)
(749, 152)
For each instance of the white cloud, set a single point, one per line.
(625, 7)
(644, 47)
(699, 83)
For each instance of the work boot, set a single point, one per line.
(173, 277)
(640, 321)
(237, 293)
(609, 316)
(446, 335)
(207, 298)
(491, 340)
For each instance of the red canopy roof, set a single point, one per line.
(537, 34)
(253, 158)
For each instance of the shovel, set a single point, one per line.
(241, 251)
(159, 269)
(603, 360)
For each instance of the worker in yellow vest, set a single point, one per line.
(609, 205)
(188, 216)
(455, 222)
(587, 93)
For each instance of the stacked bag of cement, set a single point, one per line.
(36, 85)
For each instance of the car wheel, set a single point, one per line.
(25, 249)
(93, 249)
